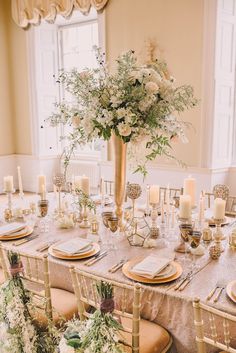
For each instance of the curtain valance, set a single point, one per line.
(25, 12)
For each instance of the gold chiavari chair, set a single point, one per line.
(231, 206)
(217, 320)
(109, 187)
(3, 270)
(50, 303)
(173, 192)
(140, 335)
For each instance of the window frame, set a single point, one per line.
(33, 96)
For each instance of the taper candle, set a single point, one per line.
(154, 194)
(8, 185)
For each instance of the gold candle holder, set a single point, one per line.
(9, 199)
(8, 216)
(154, 231)
(85, 222)
(218, 235)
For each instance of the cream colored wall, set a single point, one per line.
(7, 145)
(20, 89)
(177, 27)
(14, 107)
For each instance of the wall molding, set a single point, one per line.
(161, 174)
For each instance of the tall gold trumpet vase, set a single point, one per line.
(119, 150)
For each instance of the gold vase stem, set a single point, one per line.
(120, 149)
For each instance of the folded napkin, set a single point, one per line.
(10, 228)
(74, 246)
(150, 266)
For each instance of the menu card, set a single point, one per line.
(150, 266)
(74, 246)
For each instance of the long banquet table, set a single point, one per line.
(169, 308)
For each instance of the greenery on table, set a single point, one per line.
(138, 103)
(84, 200)
(18, 331)
(98, 334)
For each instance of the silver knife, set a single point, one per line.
(92, 261)
(25, 240)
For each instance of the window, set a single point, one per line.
(64, 44)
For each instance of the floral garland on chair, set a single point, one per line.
(100, 333)
(18, 331)
(138, 103)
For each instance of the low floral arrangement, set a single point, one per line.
(18, 331)
(81, 199)
(136, 103)
(99, 334)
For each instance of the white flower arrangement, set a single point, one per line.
(18, 331)
(136, 103)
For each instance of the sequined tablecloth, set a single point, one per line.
(169, 308)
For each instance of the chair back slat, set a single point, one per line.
(211, 334)
(35, 276)
(84, 287)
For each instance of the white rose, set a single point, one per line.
(76, 121)
(151, 87)
(124, 129)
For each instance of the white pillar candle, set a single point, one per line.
(77, 181)
(219, 208)
(8, 185)
(154, 194)
(190, 188)
(20, 181)
(41, 184)
(85, 187)
(185, 206)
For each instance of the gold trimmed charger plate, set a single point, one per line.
(63, 256)
(230, 293)
(159, 279)
(17, 235)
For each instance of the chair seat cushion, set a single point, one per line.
(153, 338)
(64, 306)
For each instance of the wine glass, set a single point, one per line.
(185, 229)
(105, 216)
(43, 211)
(194, 242)
(113, 223)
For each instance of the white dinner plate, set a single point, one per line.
(229, 290)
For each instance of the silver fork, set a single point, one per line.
(117, 266)
(219, 285)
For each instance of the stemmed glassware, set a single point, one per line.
(105, 216)
(43, 211)
(113, 223)
(194, 242)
